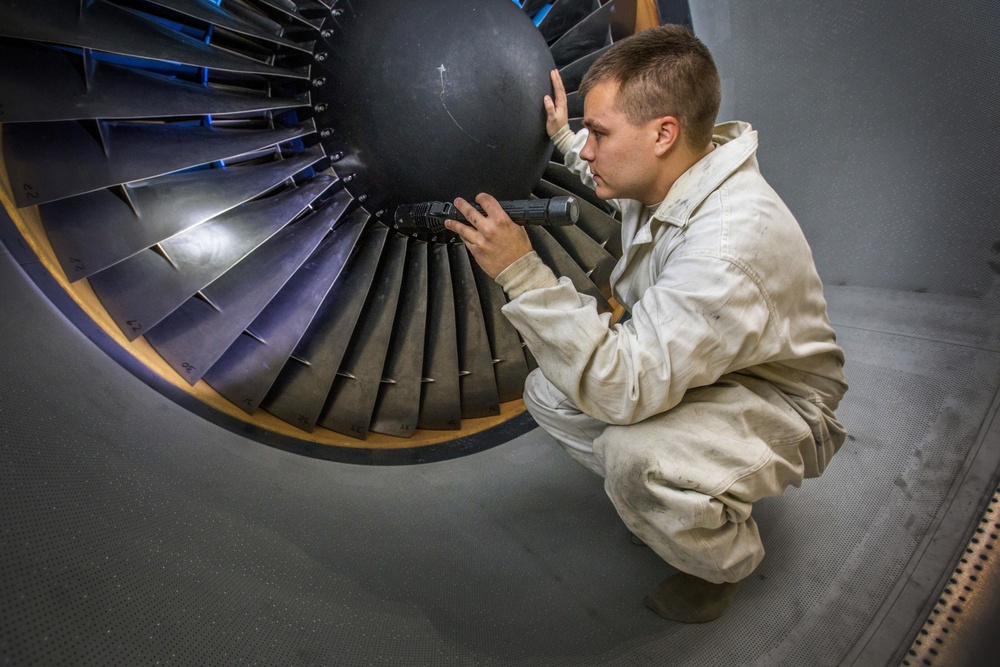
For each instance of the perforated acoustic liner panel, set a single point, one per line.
(967, 610)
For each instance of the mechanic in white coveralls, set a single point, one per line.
(721, 387)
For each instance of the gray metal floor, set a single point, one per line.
(136, 532)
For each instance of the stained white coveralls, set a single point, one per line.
(721, 388)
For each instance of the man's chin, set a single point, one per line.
(602, 190)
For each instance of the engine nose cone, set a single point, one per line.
(434, 99)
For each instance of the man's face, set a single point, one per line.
(621, 155)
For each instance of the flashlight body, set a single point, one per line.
(429, 217)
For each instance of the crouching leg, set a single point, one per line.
(685, 482)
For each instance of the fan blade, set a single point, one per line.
(289, 10)
(477, 380)
(37, 153)
(562, 263)
(508, 359)
(103, 26)
(246, 371)
(352, 398)
(623, 19)
(574, 106)
(194, 336)
(440, 396)
(91, 232)
(397, 407)
(532, 6)
(559, 175)
(588, 35)
(563, 15)
(250, 14)
(300, 391)
(596, 223)
(572, 74)
(145, 288)
(587, 253)
(220, 17)
(109, 91)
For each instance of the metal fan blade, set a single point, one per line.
(91, 232)
(559, 175)
(352, 398)
(588, 253)
(289, 10)
(477, 381)
(103, 26)
(250, 14)
(109, 91)
(505, 343)
(587, 36)
(194, 336)
(37, 154)
(314, 8)
(562, 263)
(563, 15)
(246, 371)
(300, 390)
(397, 407)
(532, 6)
(596, 223)
(572, 74)
(623, 19)
(220, 17)
(145, 288)
(574, 106)
(440, 396)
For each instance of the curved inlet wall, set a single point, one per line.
(133, 531)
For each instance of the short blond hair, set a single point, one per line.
(663, 71)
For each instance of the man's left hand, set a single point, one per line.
(494, 239)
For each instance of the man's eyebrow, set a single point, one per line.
(593, 125)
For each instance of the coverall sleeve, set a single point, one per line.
(703, 317)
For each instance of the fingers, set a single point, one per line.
(558, 88)
(556, 105)
(492, 238)
(491, 206)
(468, 210)
(464, 231)
(467, 232)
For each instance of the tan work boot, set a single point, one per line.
(686, 598)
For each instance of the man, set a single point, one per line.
(720, 389)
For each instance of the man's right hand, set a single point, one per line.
(557, 111)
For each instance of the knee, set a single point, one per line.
(629, 482)
(539, 394)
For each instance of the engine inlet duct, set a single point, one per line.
(214, 184)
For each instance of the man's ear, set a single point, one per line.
(668, 130)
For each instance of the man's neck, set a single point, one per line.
(674, 164)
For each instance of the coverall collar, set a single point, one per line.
(736, 143)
